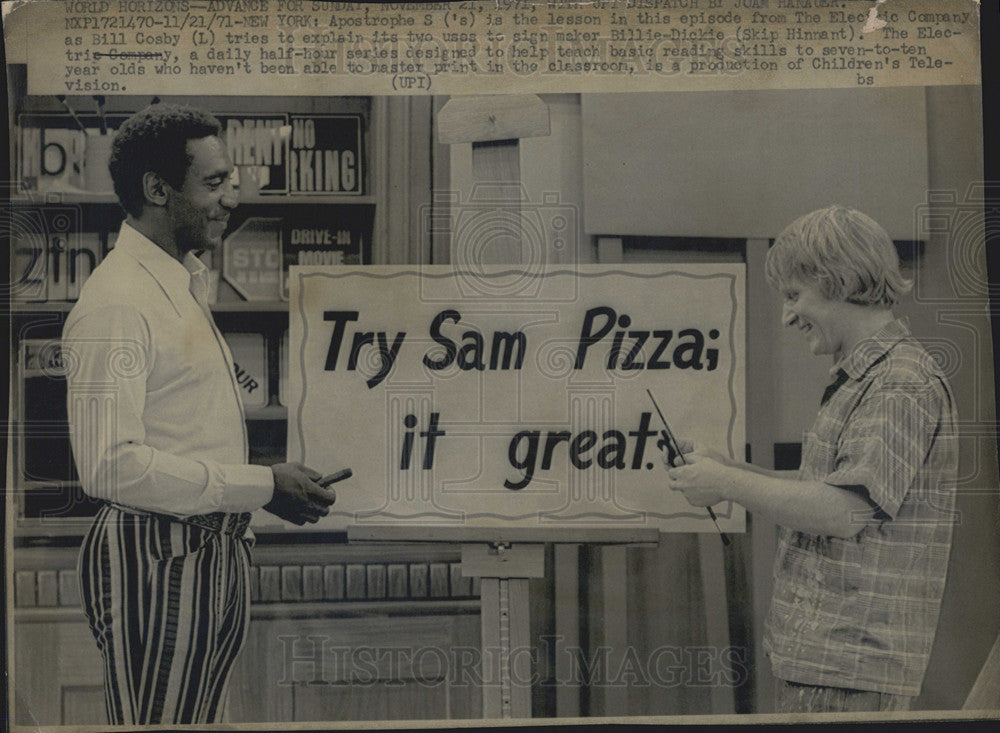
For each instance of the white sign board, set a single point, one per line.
(502, 398)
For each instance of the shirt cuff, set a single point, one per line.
(246, 488)
(861, 476)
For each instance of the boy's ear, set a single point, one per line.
(154, 189)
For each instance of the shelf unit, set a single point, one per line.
(98, 212)
(266, 306)
(402, 163)
(109, 199)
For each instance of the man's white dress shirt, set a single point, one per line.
(156, 419)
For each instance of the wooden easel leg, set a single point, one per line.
(506, 648)
(489, 596)
(505, 618)
(519, 660)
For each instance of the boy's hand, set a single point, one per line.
(688, 447)
(702, 480)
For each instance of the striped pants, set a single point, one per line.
(169, 604)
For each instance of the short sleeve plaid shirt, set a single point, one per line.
(861, 613)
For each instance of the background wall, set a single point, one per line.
(949, 311)
(744, 164)
(735, 165)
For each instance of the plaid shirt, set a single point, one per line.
(861, 613)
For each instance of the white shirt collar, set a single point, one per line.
(178, 279)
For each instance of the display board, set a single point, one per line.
(514, 398)
(280, 155)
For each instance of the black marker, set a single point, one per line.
(674, 446)
(333, 478)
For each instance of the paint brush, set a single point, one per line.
(673, 445)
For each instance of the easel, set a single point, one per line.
(504, 559)
(486, 134)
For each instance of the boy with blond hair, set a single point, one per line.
(866, 522)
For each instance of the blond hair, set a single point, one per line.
(845, 253)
